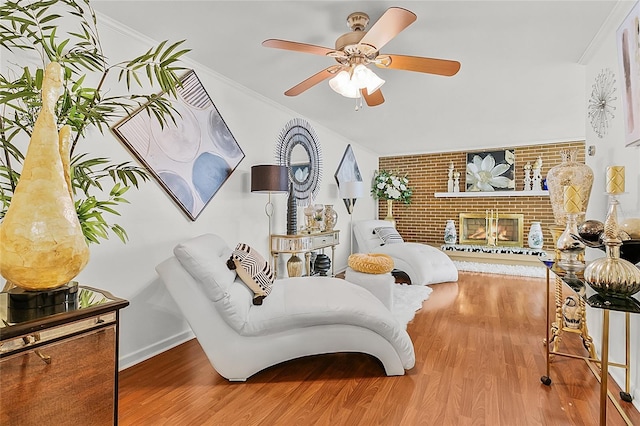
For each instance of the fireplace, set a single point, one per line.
(505, 231)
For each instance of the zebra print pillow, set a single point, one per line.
(253, 270)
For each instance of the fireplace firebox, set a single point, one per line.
(505, 230)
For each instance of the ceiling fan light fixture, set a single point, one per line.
(374, 82)
(343, 85)
(364, 78)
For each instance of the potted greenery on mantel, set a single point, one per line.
(34, 27)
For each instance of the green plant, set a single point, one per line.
(33, 27)
(388, 185)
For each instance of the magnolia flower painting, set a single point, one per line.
(491, 171)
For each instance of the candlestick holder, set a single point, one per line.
(571, 249)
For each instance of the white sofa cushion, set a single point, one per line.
(204, 257)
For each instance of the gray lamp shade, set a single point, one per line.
(269, 178)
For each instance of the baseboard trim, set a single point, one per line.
(152, 350)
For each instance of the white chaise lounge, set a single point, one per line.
(301, 316)
(422, 263)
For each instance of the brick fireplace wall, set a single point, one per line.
(424, 219)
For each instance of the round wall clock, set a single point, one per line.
(600, 109)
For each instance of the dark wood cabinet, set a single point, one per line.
(61, 368)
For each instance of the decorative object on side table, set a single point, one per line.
(450, 235)
(535, 239)
(391, 187)
(292, 212)
(322, 264)
(44, 248)
(572, 312)
(570, 248)
(294, 266)
(330, 217)
(569, 172)
(612, 275)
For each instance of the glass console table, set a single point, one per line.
(629, 305)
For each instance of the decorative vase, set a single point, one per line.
(389, 216)
(612, 275)
(535, 237)
(42, 245)
(330, 217)
(322, 264)
(294, 266)
(569, 172)
(450, 235)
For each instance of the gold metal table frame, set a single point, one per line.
(588, 296)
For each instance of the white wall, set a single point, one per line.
(611, 151)
(152, 322)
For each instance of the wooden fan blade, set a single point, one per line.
(390, 24)
(313, 80)
(373, 99)
(297, 47)
(420, 64)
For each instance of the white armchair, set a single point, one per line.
(422, 263)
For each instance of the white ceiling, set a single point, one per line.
(498, 44)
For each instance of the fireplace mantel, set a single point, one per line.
(488, 194)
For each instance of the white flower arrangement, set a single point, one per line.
(389, 186)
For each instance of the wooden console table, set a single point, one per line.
(304, 243)
(59, 356)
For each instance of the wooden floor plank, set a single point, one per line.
(479, 357)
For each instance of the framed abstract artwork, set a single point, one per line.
(628, 40)
(192, 158)
(491, 171)
(348, 170)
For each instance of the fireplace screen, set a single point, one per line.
(505, 231)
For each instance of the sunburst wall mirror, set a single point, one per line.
(299, 150)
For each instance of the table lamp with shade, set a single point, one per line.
(349, 192)
(269, 178)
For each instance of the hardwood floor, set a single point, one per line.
(479, 358)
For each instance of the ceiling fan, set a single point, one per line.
(355, 50)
